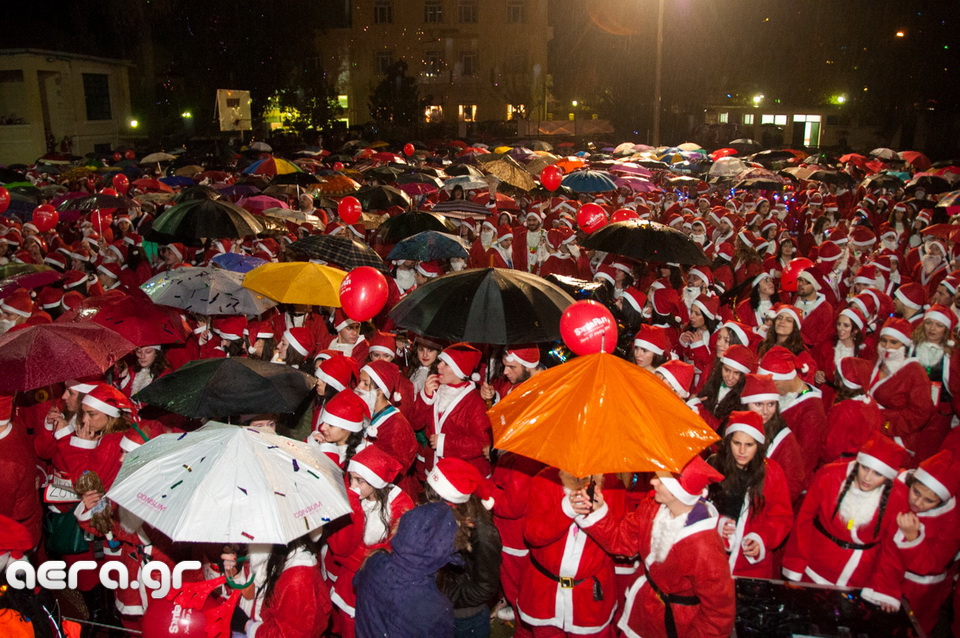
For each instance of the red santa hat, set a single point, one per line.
(829, 252)
(634, 297)
(886, 231)
(260, 330)
(882, 455)
(345, 410)
(703, 273)
(678, 375)
(950, 282)
(374, 466)
(855, 316)
(941, 473)
(781, 364)
(748, 422)
(386, 376)
(110, 269)
(232, 328)
(15, 540)
(430, 269)
(177, 249)
(911, 295)
(527, 356)
(455, 481)
(741, 330)
(709, 305)
(726, 251)
(300, 339)
(341, 320)
(759, 388)
(899, 329)
(339, 371)
(854, 372)
(838, 234)
(740, 358)
(665, 301)
(867, 304)
(462, 359)
(57, 260)
(791, 311)
(867, 274)
(691, 484)
(941, 314)
(810, 276)
(107, 399)
(49, 298)
(924, 216)
(19, 303)
(606, 272)
(504, 233)
(133, 438)
(384, 343)
(652, 338)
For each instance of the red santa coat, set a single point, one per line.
(785, 451)
(696, 565)
(850, 423)
(312, 321)
(561, 265)
(463, 429)
(813, 556)
(18, 489)
(747, 315)
(768, 528)
(818, 322)
(564, 550)
(905, 403)
(512, 476)
(478, 255)
(495, 259)
(300, 605)
(391, 432)
(806, 418)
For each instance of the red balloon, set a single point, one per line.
(363, 293)
(45, 217)
(129, 154)
(4, 199)
(164, 618)
(350, 210)
(788, 280)
(591, 217)
(587, 327)
(117, 156)
(100, 219)
(338, 166)
(550, 177)
(408, 149)
(121, 182)
(623, 214)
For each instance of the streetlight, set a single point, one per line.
(900, 34)
(658, 76)
(757, 99)
(574, 103)
(133, 123)
(186, 115)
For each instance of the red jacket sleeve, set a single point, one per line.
(299, 607)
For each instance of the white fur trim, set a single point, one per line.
(442, 486)
(82, 388)
(906, 302)
(293, 343)
(367, 474)
(900, 540)
(677, 490)
(763, 548)
(791, 575)
(326, 378)
(759, 398)
(350, 426)
(646, 345)
(872, 596)
(743, 336)
(896, 334)
(13, 310)
(938, 316)
(383, 350)
(129, 445)
(736, 365)
(97, 404)
(778, 376)
(446, 358)
(377, 380)
(592, 517)
(753, 432)
(512, 357)
(672, 380)
(847, 312)
(84, 444)
(933, 483)
(876, 465)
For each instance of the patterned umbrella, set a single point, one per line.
(236, 262)
(507, 170)
(338, 250)
(271, 166)
(430, 245)
(589, 182)
(206, 291)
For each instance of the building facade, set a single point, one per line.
(51, 99)
(473, 60)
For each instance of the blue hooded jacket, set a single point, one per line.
(396, 592)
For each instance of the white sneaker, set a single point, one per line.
(506, 614)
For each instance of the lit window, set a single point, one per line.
(432, 63)
(468, 63)
(516, 11)
(723, 118)
(383, 62)
(516, 111)
(766, 119)
(433, 114)
(748, 119)
(383, 12)
(343, 101)
(468, 11)
(780, 120)
(467, 113)
(433, 11)
(806, 118)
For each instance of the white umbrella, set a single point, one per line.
(263, 147)
(291, 214)
(726, 167)
(155, 158)
(227, 484)
(206, 291)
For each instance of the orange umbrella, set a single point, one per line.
(598, 414)
(337, 186)
(570, 164)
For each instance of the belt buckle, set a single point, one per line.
(566, 582)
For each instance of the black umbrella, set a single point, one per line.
(759, 183)
(832, 177)
(882, 180)
(217, 388)
(745, 146)
(99, 200)
(382, 197)
(462, 169)
(296, 179)
(206, 218)
(933, 184)
(485, 305)
(193, 193)
(768, 158)
(646, 241)
(339, 250)
(430, 246)
(383, 173)
(409, 224)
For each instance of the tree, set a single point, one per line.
(308, 100)
(396, 100)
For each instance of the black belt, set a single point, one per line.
(567, 582)
(668, 600)
(840, 543)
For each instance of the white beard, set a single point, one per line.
(369, 397)
(892, 359)
(405, 280)
(859, 506)
(486, 238)
(664, 534)
(929, 354)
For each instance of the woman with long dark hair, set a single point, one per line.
(651, 347)
(753, 499)
(763, 297)
(854, 415)
(339, 432)
(149, 363)
(785, 332)
(850, 341)
(721, 393)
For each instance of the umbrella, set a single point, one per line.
(196, 192)
(430, 245)
(205, 291)
(767, 158)
(461, 207)
(99, 200)
(337, 186)
(410, 223)
(589, 182)
(726, 167)
(485, 305)
(259, 203)
(646, 241)
(746, 146)
(156, 158)
(28, 281)
(463, 169)
(224, 484)
(188, 171)
(882, 180)
(224, 387)
(383, 173)
(262, 147)
(885, 154)
(50, 353)
(916, 159)
(9, 270)
(950, 199)
(290, 214)
(177, 180)
(422, 178)
(629, 421)
(134, 317)
(466, 182)
(206, 219)
(636, 184)
(507, 170)
(720, 153)
(297, 282)
(151, 185)
(338, 250)
(839, 178)
(271, 166)
(237, 190)
(382, 198)
(854, 158)
(296, 179)
(237, 262)
(760, 183)
(933, 184)
(690, 146)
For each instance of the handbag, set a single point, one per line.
(63, 534)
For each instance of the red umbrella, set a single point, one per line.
(151, 185)
(918, 160)
(856, 158)
(722, 152)
(44, 354)
(28, 280)
(504, 202)
(134, 317)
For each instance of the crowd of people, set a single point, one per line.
(819, 345)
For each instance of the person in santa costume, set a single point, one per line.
(389, 428)
(349, 341)
(472, 586)
(339, 427)
(786, 331)
(377, 505)
(519, 364)
(483, 243)
(763, 296)
(934, 349)
(848, 520)
(18, 482)
(562, 260)
(686, 588)
(651, 347)
(295, 348)
(500, 254)
(694, 343)
(908, 302)
(854, 416)
(753, 499)
(530, 244)
(901, 388)
(928, 540)
(851, 340)
(721, 393)
(568, 588)
(817, 313)
(801, 405)
(452, 413)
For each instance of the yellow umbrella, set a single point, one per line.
(503, 149)
(628, 421)
(297, 282)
